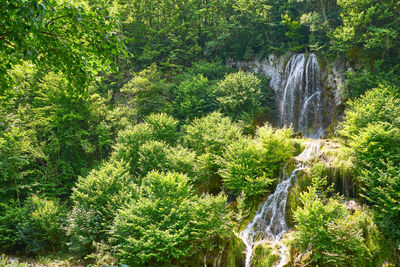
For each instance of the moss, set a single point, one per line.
(265, 256)
(235, 255)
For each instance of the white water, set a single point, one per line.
(300, 97)
(269, 224)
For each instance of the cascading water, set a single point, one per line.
(300, 102)
(269, 224)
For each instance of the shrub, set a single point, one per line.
(146, 93)
(128, 143)
(167, 222)
(10, 216)
(376, 143)
(245, 168)
(327, 231)
(239, 95)
(152, 156)
(194, 98)
(211, 70)
(250, 165)
(164, 127)
(96, 198)
(382, 189)
(211, 134)
(42, 228)
(378, 105)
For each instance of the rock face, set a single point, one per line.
(308, 90)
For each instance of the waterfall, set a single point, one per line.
(269, 224)
(300, 102)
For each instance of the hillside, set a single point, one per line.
(199, 133)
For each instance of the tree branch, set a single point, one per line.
(53, 20)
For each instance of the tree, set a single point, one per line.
(146, 93)
(194, 97)
(239, 95)
(250, 165)
(56, 35)
(168, 222)
(96, 198)
(328, 232)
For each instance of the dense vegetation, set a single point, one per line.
(126, 139)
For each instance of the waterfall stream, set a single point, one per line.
(269, 224)
(300, 97)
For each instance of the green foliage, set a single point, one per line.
(250, 165)
(96, 199)
(129, 141)
(10, 216)
(146, 92)
(239, 95)
(378, 105)
(165, 128)
(296, 33)
(215, 70)
(42, 227)
(34, 227)
(157, 127)
(327, 230)
(382, 189)
(71, 127)
(76, 40)
(211, 134)
(167, 222)
(194, 97)
(17, 153)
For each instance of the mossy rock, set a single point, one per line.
(264, 256)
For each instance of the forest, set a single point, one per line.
(199, 133)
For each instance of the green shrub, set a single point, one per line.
(168, 222)
(245, 168)
(327, 231)
(128, 143)
(211, 70)
(43, 227)
(376, 143)
(250, 165)
(96, 199)
(194, 97)
(10, 216)
(146, 93)
(211, 134)
(239, 95)
(164, 127)
(152, 156)
(381, 187)
(378, 105)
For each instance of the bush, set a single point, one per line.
(159, 127)
(194, 98)
(211, 70)
(42, 228)
(95, 201)
(375, 144)
(167, 222)
(250, 165)
(146, 93)
(328, 233)
(152, 156)
(239, 95)
(211, 134)
(128, 143)
(378, 105)
(164, 127)
(10, 216)
(382, 189)
(244, 168)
